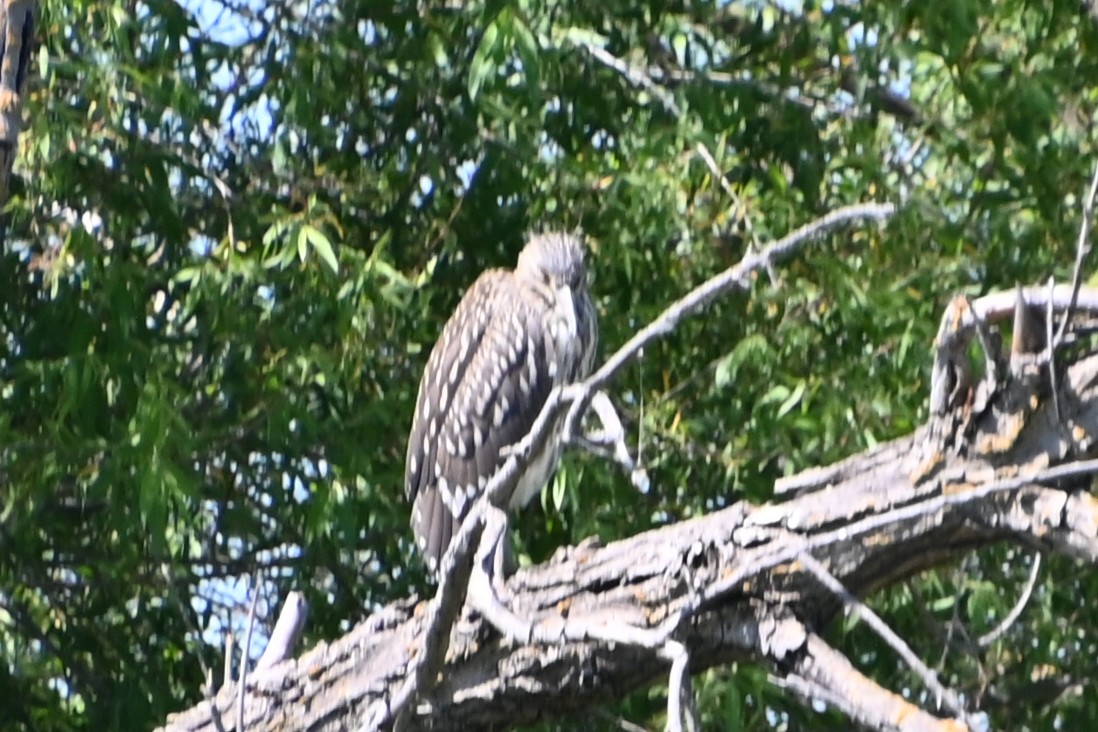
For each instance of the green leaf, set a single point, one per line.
(483, 64)
(581, 37)
(302, 243)
(793, 400)
(754, 348)
(322, 246)
(188, 275)
(527, 47)
(559, 490)
(275, 232)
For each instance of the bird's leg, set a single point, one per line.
(492, 554)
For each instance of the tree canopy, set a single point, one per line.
(236, 228)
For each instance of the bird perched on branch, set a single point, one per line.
(514, 336)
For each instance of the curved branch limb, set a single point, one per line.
(578, 396)
(680, 697)
(733, 278)
(609, 442)
(442, 612)
(1015, 612)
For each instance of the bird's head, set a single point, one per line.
(555, 259)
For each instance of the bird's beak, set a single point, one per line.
(566, 305)
(564, 295)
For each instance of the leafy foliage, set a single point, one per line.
(240, 226)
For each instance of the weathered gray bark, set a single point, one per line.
(1006, 469)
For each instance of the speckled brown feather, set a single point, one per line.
(486, 380)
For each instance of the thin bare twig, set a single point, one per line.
(735, 277)
(635, 76)
(1015, 612)
(1082, 249)
(230, 641)
(859, 609)
(612, 436)
(243, 682)
(1050, 345)
(643, 79)
(209, 688)
(679, 693)
(579, 395)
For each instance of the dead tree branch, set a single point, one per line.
(729, 586)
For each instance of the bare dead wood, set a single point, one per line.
(1007, 472)
(287, 631)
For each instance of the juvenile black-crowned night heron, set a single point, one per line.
(513, 337)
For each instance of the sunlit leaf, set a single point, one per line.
(483, 64)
